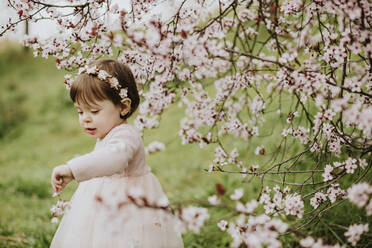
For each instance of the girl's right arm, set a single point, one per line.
(61, 176)
(110, 160)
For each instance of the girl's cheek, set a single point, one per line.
(81, 121)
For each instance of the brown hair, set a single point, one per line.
(87, 89)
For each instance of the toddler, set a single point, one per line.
(102, 211)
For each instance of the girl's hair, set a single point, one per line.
(88, 89)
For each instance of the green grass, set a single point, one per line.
(39, 130)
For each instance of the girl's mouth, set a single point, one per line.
(90, 130)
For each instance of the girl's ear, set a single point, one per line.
(125, 106)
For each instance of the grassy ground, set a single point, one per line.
(39, 130)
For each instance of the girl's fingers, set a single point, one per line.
(56, 182)
(53, 178)
(60, 185)
(53, 185)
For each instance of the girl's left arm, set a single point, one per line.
(110, 160)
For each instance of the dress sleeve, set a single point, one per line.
(113, 158)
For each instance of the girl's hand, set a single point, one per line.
(61, 176)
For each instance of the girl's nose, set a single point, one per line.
(87, 118)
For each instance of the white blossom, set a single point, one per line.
(222, 225)
(194, 218)
(359, 194)
(354, 232)
(238, 193)
(214, 200)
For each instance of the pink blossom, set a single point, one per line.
(123, 92)
(194, 218)
(334, 192)
(317, 199)
(354, 232)
(154, 147)
(309, 242)
(59, 209)
(294, 205)
(142, 122)
(114, 83)
(238, 193)
(214, 200)
(350, 165)
(289, 7)
(222, 225)
(327, 175)
(260, 150)
(257, 105)
(259, 231)
(248, 208)
(359, 193)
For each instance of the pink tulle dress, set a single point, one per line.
(100, 214)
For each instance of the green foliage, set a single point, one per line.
(12, 111)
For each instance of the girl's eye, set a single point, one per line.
(79, 112)
(94, 111)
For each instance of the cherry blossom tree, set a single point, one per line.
(235, 67)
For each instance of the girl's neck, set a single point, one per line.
(120, 123)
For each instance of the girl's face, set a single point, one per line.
(99, 119)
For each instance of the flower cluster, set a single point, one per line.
(256, 231)
(260, 150)
(59, 210)
(317, 199)
(333, 193)
(247, 208)
(192, 218)
(309, 242)
(292, 204)
(361, 117)
(361, 195)
(354, 232)
(222, 158)
(349, 166)
(214, 200)
(154, 147)
(238, 193)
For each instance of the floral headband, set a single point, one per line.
(102, 75)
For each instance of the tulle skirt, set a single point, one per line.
(101, 216)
